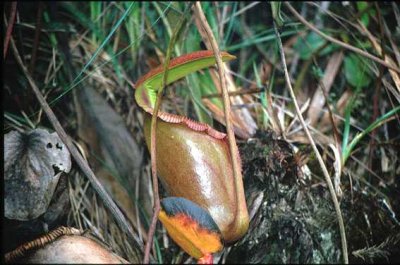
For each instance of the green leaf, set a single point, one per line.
(196, 90)
(308, 45)
(361, 6)
(148, 85)
(356, 71)
(276, 13)
(266, 36)
(317, 72)
(378, 122)
(97, 52)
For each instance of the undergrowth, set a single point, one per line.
(350, 103)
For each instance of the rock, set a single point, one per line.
(33, 163)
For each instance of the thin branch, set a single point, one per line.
(37, 35)
(330, 112)
(227, 108)
(153, 144)
(378, 85)
(108, 202)
(11, 21)
(318, 155)
(237, 93)
(340, 43)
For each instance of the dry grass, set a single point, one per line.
(355, 126)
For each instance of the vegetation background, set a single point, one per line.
(86, 57)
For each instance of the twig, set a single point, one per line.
(237, 93)
(377, 94)
(340, 43)
(227, 108)
(318, 155)
(330, 112)
(10, 27)
(153, 145)
(37, 35)
(108, 202)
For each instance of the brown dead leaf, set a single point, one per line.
(318, 100)
(220, 117)
(395, 76)
(325, 122)
(115, 151)
(245, 126)
(243, 123)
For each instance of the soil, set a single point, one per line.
(294, 219)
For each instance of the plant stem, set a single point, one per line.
(236, 167)
(37, 35)
(237, 93)
(153, 146)
(318, 155)
(11, 21)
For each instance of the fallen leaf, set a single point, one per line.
(117, 159)
(318, 100)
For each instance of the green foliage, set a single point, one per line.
(347, 149)
(119, 41)
(317, 72)
(276, 13)
(356, 71)
(362, 7)
(312, 43)
(146, 91)
(232, 22)
(263, 37)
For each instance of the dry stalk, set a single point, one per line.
(318, 155)
(236, 93)
(153, 145)
(10, 23)
(227, 107)
(38, 29)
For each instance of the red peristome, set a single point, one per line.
(178, 61)
(171, 118)
(194, 125)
